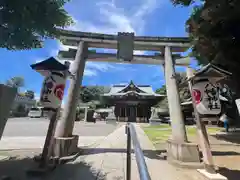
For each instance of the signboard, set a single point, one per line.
(53, 90)
(206, 97)
(237, 101)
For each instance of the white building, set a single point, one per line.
(23, 101)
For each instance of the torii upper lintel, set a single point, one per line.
(142, 43)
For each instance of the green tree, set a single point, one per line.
(214, 29)
(16, 82)
(161, 90)
(30, 94)
(181, 78)
(92, 93)
(38, 103)
(25, 24)
(183, 88)
(184, 92)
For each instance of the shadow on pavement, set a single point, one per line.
(225, 153)
(152, 154)
(232, 137)
(230, 174)
(16, 169)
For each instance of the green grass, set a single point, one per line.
(158, 126)
(4, 153)
(156, 135)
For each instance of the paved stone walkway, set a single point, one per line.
(107, 161)
(9, 143)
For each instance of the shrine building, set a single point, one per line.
(132, 102)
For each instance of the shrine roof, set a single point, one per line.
(142, 90)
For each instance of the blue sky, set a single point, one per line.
(144, 17)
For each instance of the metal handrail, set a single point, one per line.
(141, 164)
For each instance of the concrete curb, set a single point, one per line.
(3, 158)
(187, 165)
(28, 143)
(92, 145)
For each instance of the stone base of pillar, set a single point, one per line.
(111, 118)
(121, 119)
(65, 147)
(137, 119)
(183, 154)
(155, 121)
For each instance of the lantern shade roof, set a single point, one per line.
(50, 64)
(210, 71)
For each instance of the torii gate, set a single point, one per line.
(125, 43)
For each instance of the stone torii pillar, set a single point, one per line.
(178, 126)
(65, 142)
(85, 113)
(178, 149)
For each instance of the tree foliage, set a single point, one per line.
(30, 94)
(16, 82)
(92, 93)
(162, 90)
(25, 24)
(214, 27)
(184, 92)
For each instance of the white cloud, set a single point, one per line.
(104, 66)
(38, 60)
(114, 19)
(63, 103)
(122, 83)
(99, 66)
(37, 96)
(88, 72)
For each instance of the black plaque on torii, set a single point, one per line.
(125, 46)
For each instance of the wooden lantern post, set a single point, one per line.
(51, 97)
(207, 76)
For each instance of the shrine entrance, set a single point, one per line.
(165, 55)
(132, 103)
(132, 113)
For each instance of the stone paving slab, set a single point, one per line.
(160, 169)
(108, 156)
(109, 160)
(8, 143)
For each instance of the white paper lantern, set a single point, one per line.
(206, 98)
(53, 90)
